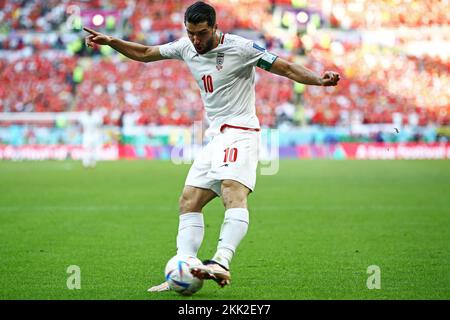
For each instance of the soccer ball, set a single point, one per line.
(179, 277)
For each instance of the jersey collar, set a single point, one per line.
(221, 38)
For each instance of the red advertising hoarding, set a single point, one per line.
(338, 151)
(375, 151)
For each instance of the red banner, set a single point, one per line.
(339, 151)
(55, 152)
(375, 151)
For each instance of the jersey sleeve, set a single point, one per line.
(173, 50)
(257, 56)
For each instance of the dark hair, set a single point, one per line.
(200, 12)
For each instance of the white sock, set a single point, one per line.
(233, 230)
(190, 233)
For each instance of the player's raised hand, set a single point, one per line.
(96, 37)
(330, 78)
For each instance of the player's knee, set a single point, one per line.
(187, 203)
(234, 195)
(233, 200)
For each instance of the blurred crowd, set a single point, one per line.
(389, 13)
(44, 68)
(380, 86)
(140, 16)
(37, 83)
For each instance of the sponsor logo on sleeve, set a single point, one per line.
(258, 47)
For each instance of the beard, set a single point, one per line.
(207, 47)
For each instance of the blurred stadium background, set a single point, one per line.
(316, 225)
(393, 57)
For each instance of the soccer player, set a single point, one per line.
(223, 66)
(91, 122)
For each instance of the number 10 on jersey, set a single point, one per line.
(208, 83)
(230, 155)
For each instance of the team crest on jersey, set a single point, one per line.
(219, 60)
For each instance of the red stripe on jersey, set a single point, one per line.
(223, 37)
(224, 126)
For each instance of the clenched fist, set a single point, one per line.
(330, 78)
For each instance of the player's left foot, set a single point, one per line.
(160, 288)
(212, 270)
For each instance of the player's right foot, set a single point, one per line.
(212, 270)
(160, 288)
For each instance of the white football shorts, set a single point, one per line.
(232, 154)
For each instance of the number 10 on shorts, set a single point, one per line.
(230, 155)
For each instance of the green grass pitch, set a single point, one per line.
(315, 228)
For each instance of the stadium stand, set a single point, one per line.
(393, 13)
(42, 69)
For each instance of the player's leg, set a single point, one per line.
(85, 159)
(238, 180)
(198, 191)
(236, 169)
(97, 148)
(235, 225)
(233, 230)
(86, 156)
(191, 225)
(87, 150)
(93, 158)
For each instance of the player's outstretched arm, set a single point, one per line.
(132, 50)
(303, 75)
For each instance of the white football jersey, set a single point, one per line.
(226, 77)
(92, 123)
